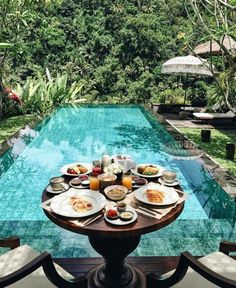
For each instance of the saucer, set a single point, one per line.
(174, 183)
(50, 190)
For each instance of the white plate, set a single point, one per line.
(172, 184)
(64, 169)
(60, 203)
(171, 196)
(135, 172)
(122, 222)
(50, 190)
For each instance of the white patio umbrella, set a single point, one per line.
(187, 65)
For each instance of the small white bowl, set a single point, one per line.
(116, 196)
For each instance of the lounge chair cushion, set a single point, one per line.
(210, 116)
(17, 258)
(192, 109)
(218, 262)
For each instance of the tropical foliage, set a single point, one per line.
(41, 94)
(115, 48)
(217, 20)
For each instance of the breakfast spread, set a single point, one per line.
(79, 204)
(155, 195)
(147, 170)
(77, 169)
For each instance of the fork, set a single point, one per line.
(91, 220)
(150, 210)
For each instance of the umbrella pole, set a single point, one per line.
(185, 92)
(185, 96)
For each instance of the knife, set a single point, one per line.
(151, 212)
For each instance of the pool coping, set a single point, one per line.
(221, 175)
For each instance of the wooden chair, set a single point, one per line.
(23, 266)
(217, 269)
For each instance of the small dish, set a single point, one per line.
(139, 182)
(112, 214)
(64, 189)
(85, 183)
(80, 179)
(75, 181)
(172, 184)
(126, 215)
(120, 222)
(121, 206)
(116, 192)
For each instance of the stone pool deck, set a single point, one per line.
(218, 173)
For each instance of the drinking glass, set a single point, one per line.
(169, 176)
(127, 181)
(94, 182)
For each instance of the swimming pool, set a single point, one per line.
(83, 134)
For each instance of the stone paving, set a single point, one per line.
(219, 173)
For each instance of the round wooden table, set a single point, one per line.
(114, 243)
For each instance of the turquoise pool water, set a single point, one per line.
(83, 134)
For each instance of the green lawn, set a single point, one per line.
(11, 125)
(216, 148)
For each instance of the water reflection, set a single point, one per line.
(16, 147)
(214, 200)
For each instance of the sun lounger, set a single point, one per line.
(213, 116)
(192, 109)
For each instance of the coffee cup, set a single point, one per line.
(56, 183)
(169, 176)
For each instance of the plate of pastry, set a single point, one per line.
(156, 194)
(148, 170)
(75, 203)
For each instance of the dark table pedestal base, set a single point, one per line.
(137, 280)
(115, 273)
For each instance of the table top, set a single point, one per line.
(101, 228)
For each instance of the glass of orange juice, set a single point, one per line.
(127, 181)
(94, 182)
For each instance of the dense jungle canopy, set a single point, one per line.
(114, 48)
